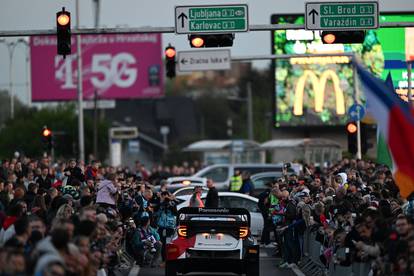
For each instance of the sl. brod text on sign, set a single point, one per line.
(211, 19)
(341, 16)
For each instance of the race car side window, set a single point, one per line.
(218, 174)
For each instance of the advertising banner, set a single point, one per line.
(317, 91)
(116, 66)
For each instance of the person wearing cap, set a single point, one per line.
(195, 200)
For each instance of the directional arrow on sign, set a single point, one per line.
(313, 12)
(183, 17)
(184, 61)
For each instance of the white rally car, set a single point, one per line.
(212, 240)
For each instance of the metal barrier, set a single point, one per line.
(311, 263)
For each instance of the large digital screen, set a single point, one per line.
(317, 91)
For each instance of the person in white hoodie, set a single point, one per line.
(107, 192)
(342, 180)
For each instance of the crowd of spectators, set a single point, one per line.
(67, 218)
(352, 211)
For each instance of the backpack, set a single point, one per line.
(166, 219)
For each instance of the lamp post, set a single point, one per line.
(10, 47)
(249, 102)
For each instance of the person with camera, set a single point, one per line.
(166, 218)
(73, 172)
(143, 202)
(146, 243)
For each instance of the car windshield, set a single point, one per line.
(218, 174)
(261, 182)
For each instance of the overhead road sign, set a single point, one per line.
(353, 15)
(189, 61)
(211, 19)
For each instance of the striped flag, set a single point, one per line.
(383, 153)
(395, 119)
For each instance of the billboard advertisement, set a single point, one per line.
(116, 66)
(317, 91)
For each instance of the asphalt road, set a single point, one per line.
(268, 267)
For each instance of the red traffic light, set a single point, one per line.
(46, 132)
(329, 38)
(63, 19)
(197, 42)
(351, 128)
(170, 52)
(343, 37)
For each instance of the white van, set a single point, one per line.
(221, 173)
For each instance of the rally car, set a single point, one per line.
(212, 240)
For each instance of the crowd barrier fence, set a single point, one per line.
(311, 263)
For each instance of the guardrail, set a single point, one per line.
(311, 263)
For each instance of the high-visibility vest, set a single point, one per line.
(236, 183)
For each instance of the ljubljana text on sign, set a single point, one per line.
(211, 19)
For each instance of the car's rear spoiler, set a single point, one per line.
(220, 212)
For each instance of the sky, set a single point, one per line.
(40, 14)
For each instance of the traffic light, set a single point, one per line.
(352, 131)
(47, 138)
(170, 54)
(341, 37)
(63, 32)
(211, 40)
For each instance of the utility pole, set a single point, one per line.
(250, 111)
(95, 107)
(95, 125)
(80, 94)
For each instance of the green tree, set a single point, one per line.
(23, 133)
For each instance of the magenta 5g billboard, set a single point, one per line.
(118, 66)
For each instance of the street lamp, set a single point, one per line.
(165, 130)
(10, 47)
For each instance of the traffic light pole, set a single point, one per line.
(80, 94)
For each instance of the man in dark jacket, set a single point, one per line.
(44, 180)
(73, 172)
(212, 199)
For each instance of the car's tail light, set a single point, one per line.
(243, 232)
(182, 231)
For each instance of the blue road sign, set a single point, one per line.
(356, 112)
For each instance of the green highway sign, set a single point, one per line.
(211, 19)
(338, 16)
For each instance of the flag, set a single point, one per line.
(396, 121)
(383, 153)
